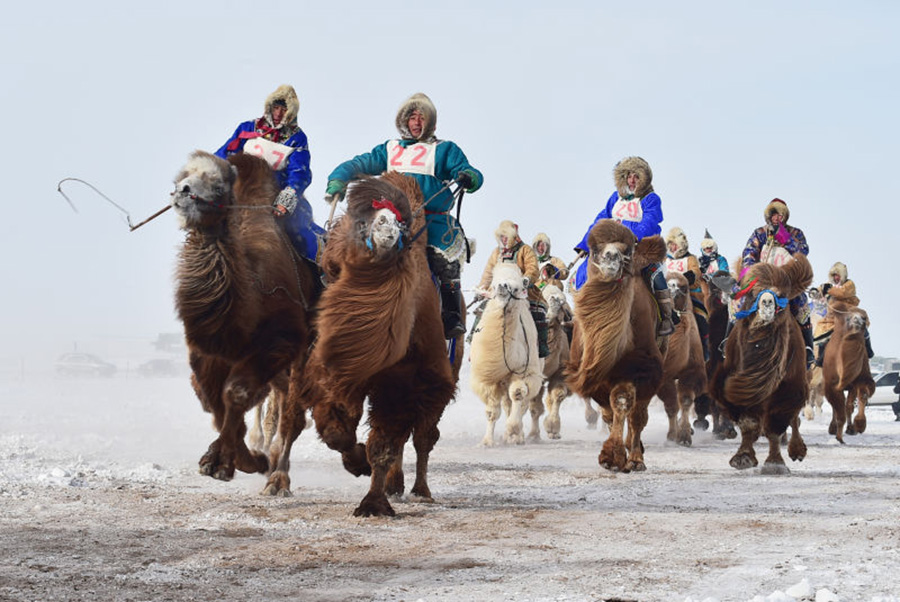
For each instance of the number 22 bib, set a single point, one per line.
(415, 158)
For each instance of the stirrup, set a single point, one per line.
(665, 328)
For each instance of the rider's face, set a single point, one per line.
(278, 112)
(633, 180)
(416, 124)
(776, 219)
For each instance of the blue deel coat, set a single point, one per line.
(651, 206)
(295, 174)
(443, 229)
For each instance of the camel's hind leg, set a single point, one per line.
(590, 414)
(684, 432)
(774, 463)
(292, 421)
(492, 412)
(838, 412)
(862, 399)
(796, 446)
(556, 393)
(746, 456)
(535, 408)
(613, 455)
(637, 420)
(424, 440)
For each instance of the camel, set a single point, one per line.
(380, 337)
(821, 332)
(846, 368)
(506, 370)
(762, 383)
(267, 414)
(615, 359)
(684, 371)
(555, 363)
(244, 296)
(717, 304)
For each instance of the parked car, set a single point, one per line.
(162, 367)
(884, 388)
(83, 364)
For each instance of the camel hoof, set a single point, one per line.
(421, 494)
(860, 426)
(635, 466)
(223, 474)
(743, 461)
(685, 441)
(553, 436)
(701, 424)
(774, 468)
(487, 442)
(274, 491)
(374, 505)
(832, 428)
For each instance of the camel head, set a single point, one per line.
(680, 290)
(555, 299)
(855, 321)
(611, 250)
(508, 282)
(382, 213)
(203, 189)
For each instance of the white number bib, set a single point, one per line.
(275, 154)
(415, 158)
(774, 255)
(677, 265)
(630, 211)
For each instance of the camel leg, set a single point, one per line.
(684, 433)
(796, 446)
(424, 440)
(336, 421)
(838, 412)
(291, 422)
(256, 438)
(552, 423)
(535, 408)
(613, 455)
(774, 463)
(637, 420)
(745, 456)
(590, 414)
(669, 396)
(518, 396)
(492, 411)
(862, 400)
(394, 483)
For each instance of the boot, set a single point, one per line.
(667, 316)
(869, 351)
(451, 301)
(806, 329)
(820, 356)
(543, 331)
(704, 341)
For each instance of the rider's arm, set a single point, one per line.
(371, 163)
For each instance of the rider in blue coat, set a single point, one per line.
(432, 162)
(278, 139)
(636, 206)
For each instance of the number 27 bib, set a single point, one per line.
(415, 158)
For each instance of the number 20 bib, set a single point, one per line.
(415, 158)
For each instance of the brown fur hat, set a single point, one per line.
(288, 96)
(510, 230)
(678, 236)
(631, 165)
(840, 269)
(776, 205)
(417, 102)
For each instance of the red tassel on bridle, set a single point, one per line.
(383, 203)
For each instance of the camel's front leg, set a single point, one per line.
(774, 463)
(859, 422)
(552, 423)
(856, 397)
(518, 399)
(291, 422)
(535, 408)
(796, 446)
(684, 433)
(336, 416)
(621, 401)
(590, 414)
(424, 440)
(492, 412)
(637, 420)
(745, 456)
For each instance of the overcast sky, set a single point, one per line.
(732, 104)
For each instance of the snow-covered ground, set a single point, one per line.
(100, 499)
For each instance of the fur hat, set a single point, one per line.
(708, 242)
(678, 236)
(508, 229)
(539, 237)
(288, 96)
(630, 165)
(417, 102)
(840, 269)
(776, 205)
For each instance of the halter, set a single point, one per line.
(781, 302)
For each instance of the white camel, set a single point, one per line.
(506, 370)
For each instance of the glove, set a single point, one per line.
(826, 287)
(287, 198)
(724, 281)
(467, 178)
(691, 277)
(335, 190)
(782, 236)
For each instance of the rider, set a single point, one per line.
(710, 260)
(838, 288)
(432, 162)
(775, 243)
(552, 269)
(680, 259)
(278, 139)
(636, 206)
(511, 249)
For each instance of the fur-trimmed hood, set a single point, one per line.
(287, 94)
(677, 236)
(840, 269)
(630, 165)
(541, 237)
(510, 230)
(776, 205)
(422, 103)
(708, 242)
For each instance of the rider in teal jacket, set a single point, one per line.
(433, 163)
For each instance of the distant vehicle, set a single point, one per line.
(83, 364)
(161, 367)
(884, 388)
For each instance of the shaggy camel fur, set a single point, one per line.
(506, 370)
(555, 363)
(615, 359)
(723, 428)
(267, 415)
(243, 295)
(762, 383)
(846, 368)
(684, 371)
(380, 336)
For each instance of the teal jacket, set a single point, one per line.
(444, 231)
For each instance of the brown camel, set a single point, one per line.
(244, 296)
(615, 359)
(846, 368)
(762, 383)
(705, 405)
(684, 371)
